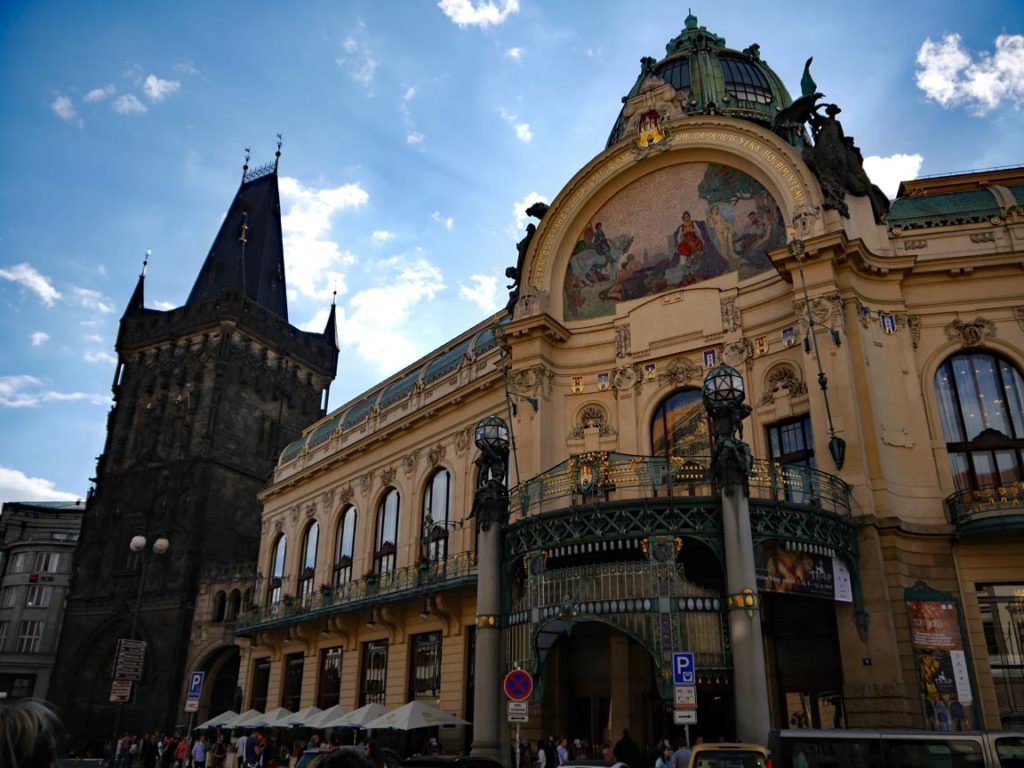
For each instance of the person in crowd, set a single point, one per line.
(218, 751)
(181, 752)
(681, 757)
(199, 752)
(373, 753)
(563, 751)
(626, 751)
(665, 758)
(28, 734)
(607, 753)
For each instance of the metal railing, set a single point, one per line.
(993, 505)
(421, 578)
(605, 476)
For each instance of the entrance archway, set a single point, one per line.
(219, 689)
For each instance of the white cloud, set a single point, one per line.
(99, 357)
(519, 211)
(515, 53)
(447, 221)
(24, 391)
(381, 235)
(101, 269)
(414, 138)
(39, 338)
(188, 68)
(949, 74)
(165, 305)
(128, 104)
(380, 322)
(99, 94)
(94, 300)
(888, 172)
(95, 338)
(410, 93)
(157, 89)
(65, 110)
(26, 275)
(17, 486)
(314, 260)
(523, 132)
(358, 61)
(482, 292)
(483, 13)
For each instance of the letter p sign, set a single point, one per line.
(683, 671)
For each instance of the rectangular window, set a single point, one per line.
(47, 562)
(21, 562)
(425, 675)
(260, 683)
(791, 445)
(329, 685)
(3, 634)
(1002, 616)
(29, 636)
(375, 672)
(291, 691)
(7, 597)
(38, 596)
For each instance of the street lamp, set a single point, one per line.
(490, 506)
(723, 395)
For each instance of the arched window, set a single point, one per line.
(234, 605)
(219, 606)
(344, 547)
(436, 508)
(307, 568)
(981, 405)
(277, 569)
(387, 532)
(680, 426)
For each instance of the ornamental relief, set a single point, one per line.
(626, 377)
(730, 315)
(462, 440)
(971, 334)
(387, 476)
(435, 454)
(529, 382)
(623, 341)
(592, 417)
(409, 462)
(736, 353)
(345, 494)
(681, 371)
(366, 481)
(826, 310)
(782, 378)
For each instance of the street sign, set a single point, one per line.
(195, 691)
(191, 705)
(131, 657)
(516, 718)
(518, 685)
(683, 669)
(121, 691)
(686, 697)
(684, 716)
(518, 707)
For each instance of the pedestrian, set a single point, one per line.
(199, 752)
(665, 758)
(373, 753)
(563, 751)
(218, 752)
(28, 734)
(681, 757)
(607, 753)
(550, 753)
(626, 751)
(180, 752)
(542, 757)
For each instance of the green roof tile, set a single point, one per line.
(943, 210)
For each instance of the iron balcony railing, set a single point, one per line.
(987, 507)
(402, 583)
(605, 476)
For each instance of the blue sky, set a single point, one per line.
(414, 132)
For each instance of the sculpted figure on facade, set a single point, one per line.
(681, 371)
(971, 334)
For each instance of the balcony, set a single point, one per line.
(374, 589)
(601, 498)
(986, 509)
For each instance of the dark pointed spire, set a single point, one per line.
(331, 329)
(138, 300)
(277, 155)
(248, 254)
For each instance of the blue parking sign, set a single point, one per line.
(683, 671)
(195, 685)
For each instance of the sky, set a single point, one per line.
(415, 133)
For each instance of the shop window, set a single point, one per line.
(1002, 616)
(30, 636)
(425, 675)
(260, 683)
(329, 685)
(680, 426)
(307, 568)
(344, 547)
(291, 689)
(375, 671)
(387, 532)
(981, 408)
(277, 569)
(436, 508)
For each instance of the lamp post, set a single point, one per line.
(490, 506)
(730, 467)
(138, 545)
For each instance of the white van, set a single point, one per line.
(850, 748)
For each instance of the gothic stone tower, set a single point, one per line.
(205, 398)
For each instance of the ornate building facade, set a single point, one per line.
(205, 397)
(882, 351)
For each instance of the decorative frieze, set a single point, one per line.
(681, 371)
(531, 382)
(730, 315)
(971, 334)
(622, 341)
(592, 417)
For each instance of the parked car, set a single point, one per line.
(449, 761)
(729, 756)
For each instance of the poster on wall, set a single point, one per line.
(947, 699)
(802, 573)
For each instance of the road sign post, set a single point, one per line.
(683, 669)
(195, 691)
(518, 685)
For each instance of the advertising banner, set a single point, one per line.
(802, 573)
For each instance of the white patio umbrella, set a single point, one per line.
(415, 715)
(302, 717)
(270, 719)
(223, 720)
(357, 718)
(243, 720)
(329, 717)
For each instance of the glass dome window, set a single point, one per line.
(744, 81)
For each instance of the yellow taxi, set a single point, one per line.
(729, 756)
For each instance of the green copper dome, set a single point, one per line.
(712, 79)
